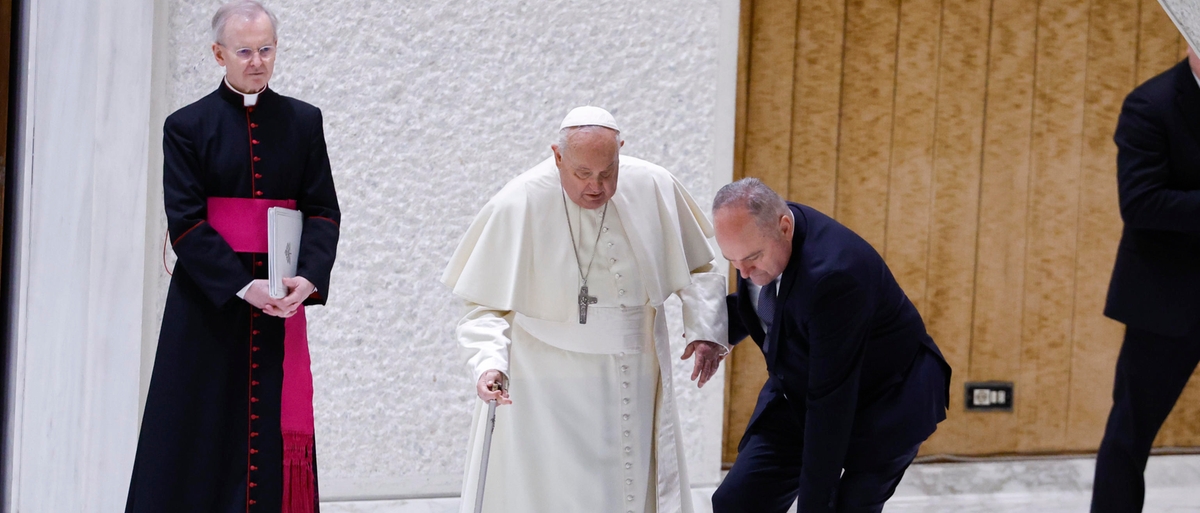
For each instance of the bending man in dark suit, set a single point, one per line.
(1156, 278)
(855, 384)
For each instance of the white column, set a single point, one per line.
(75, 337)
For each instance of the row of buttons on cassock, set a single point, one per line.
(253, 332)
(626, 433)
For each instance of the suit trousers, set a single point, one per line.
(766, 476)
(1152, 371)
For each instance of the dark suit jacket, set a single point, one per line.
(844, 341)
(1156, 280)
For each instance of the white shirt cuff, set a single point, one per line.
(242, 293)
(704, 312)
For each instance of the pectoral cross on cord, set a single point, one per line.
(584, 298)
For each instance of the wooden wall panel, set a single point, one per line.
(970, 141)
(741, 368)
(1003, 200)
(906, 246)
(743, 88)
(769, 113)
(1052, 229)
(868, 81)
(1111, 68)
(958, 142)
(812, 154)
(818, 96)
(768, 139)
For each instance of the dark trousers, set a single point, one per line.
(766, 476)
(1151, 373)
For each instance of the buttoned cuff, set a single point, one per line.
(488, 364)
(705, 316)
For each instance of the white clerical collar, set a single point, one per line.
(248, 99)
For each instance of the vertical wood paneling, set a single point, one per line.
(743, 89)
(818, 92)
(744, 366)
(816, 56)
(769, 115)
(962, 81)
(771, 57)
(906, 249)
(745, 374)
(971, 143)
(1111, 66)
(1053, 217)
(868, 85)
(1004, 194)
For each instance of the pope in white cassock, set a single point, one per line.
(564, 274)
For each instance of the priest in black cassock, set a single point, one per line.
(228, 424)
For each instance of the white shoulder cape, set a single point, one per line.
(517, 255)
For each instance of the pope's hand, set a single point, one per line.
(708, 358)
(491, 386)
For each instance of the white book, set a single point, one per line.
(284, 227)
(1186, 15)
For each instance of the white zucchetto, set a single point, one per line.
(589, 116)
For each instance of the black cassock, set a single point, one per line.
(210, 439)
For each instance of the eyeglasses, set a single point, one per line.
(265, 53)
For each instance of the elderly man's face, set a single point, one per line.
(588, 167)
(759, 254)
(247, 51)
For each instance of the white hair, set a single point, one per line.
(248, 9)
(566, 133)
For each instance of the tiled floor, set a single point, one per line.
(1023, 486)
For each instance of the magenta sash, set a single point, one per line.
(242, 222)
(296, 418)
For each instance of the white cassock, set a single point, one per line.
(593, 425)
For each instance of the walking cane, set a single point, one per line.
(487, 449)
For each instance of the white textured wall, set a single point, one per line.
(430, 107)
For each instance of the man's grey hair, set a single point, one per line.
(762, 203)
(566, 133)
(248, 9)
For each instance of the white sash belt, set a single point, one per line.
(609, 330)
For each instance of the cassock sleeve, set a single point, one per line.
(704, 316)
(203, 253)
(837, 338)
(1144, 172)
(318, 201)
(485, 335)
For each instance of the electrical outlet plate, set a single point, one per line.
(989, 396)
